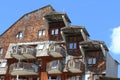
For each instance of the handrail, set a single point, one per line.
(23, 66)
(21, 50)
(56, 64)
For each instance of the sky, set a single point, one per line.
(101, 18)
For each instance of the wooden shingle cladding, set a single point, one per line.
(29, 24)
(95, 54)
(41, 28)
(72, 36)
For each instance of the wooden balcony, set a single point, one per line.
(54, 67)
(22, 68)
(23, 52)
(75, 66)
(57, 51)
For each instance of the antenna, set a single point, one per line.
(63, 10)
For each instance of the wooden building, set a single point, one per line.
(43, 45)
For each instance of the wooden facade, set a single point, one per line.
(42, 45)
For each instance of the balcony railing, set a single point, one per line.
(54, 67)
(23, 52)
(75, 66)
(22, 68)
(50, 49)
(56, 51)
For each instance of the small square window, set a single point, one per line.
(55, 31)
(72, 45)
(3, 63)
(52, 32)
(19, 35)
(1, 51)
(91, 61)
(41, 33)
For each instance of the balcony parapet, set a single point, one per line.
(22, 68)
(23, 52)
(57, 51)
(54, 67)
(50, 49)
(75, 66)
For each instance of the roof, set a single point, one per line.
(74, 29)
(94, 42)
(56, 16)
(28, 14)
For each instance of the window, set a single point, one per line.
(1, 51)
(91, 61)
(3, 63)
(72, 46)
(55, 31)
(19, 35)
(41, 33)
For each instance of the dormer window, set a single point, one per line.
(1, 51)
(19, 35)
(54, 31)
(41, 33)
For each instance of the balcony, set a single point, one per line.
(54, 67)
(42, 49)
(75, 66)
(56, 51)
(23, 52)
(3, 67)
(22, 68)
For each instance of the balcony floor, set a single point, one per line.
(54, 71)
(28, 56)
(55, 54)
(74, 70)
(17, 56)
(22, 72)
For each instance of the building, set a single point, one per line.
(43, 45)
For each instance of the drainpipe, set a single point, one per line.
(83, 34)
(103, 49)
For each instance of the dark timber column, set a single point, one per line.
(44, 75)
